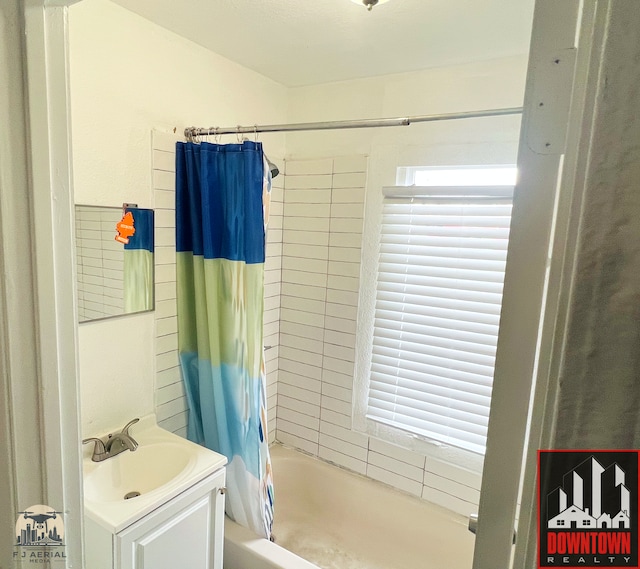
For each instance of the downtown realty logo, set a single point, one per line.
(588, 508)
(39, 536)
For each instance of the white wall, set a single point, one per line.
(129, 76)
(482, 85)
(444, 478)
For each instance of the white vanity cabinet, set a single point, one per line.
(186, 531)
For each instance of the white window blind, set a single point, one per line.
(439, 294)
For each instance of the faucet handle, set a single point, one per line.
(99, 450)
(99, 446)
(125, 429)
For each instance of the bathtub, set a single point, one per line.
(330, 518)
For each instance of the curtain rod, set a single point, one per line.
(193, 131)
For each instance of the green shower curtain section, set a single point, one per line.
(138, 263)
(220, 243)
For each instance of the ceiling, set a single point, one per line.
(304, 42)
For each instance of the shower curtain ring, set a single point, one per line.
(255, 133)
(238, 135)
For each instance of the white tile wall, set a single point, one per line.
(171, 405)
(317, 330)
(170, 399)
(273, 300)
(321, 251)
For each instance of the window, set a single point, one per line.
(503, 175)
(560, 522)
(438, 299)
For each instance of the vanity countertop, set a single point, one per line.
(163, 466)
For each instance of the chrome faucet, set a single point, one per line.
(114, 444)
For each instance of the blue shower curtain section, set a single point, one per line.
(143, 224)
(220, 244)
(138, 263)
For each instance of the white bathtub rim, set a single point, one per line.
(244, 549)
(463, 519)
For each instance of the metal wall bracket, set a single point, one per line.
(473, 526)
(473, 523)
(549, 107)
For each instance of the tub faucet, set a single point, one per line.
(114, 445)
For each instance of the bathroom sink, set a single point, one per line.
(124, 488)
(132, 474)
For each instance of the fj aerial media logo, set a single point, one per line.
(39, 536)
(588, 508)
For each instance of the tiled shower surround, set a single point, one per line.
(321, 253)
(312, 276)
(322, 236)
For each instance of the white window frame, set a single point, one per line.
(483, 175)
(429, 447)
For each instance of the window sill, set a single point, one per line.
(430, 449)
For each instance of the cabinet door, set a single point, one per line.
(186, 532)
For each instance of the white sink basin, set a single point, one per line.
(163, 466)
(146, 469)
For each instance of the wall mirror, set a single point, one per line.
(114, 277)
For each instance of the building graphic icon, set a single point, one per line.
(39, 526)
(590, 497)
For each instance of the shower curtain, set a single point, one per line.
(221, 203)
(138, 263)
